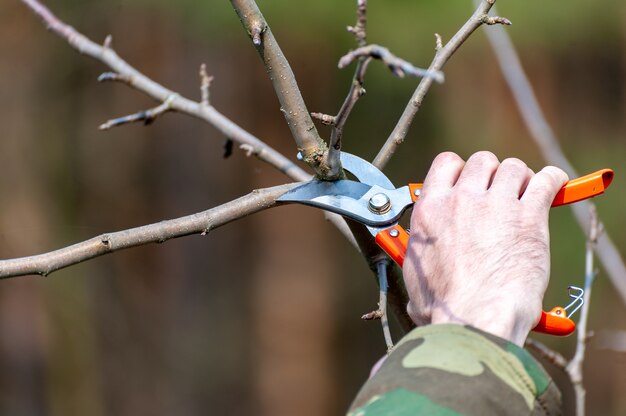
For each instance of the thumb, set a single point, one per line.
(544, 185)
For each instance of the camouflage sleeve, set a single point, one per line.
(456, 370)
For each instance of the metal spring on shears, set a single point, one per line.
(577, 301)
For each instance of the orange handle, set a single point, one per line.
(584, 187)
(575, 190)
(555, 322)
(394, 242)
(415, 189)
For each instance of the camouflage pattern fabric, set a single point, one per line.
(456, 370)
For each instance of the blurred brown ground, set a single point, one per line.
(260, 316)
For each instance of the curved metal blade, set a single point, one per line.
(364, 171)
(350, 199)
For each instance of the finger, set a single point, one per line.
(478, 171)
(443, 172)
(543, 186)
(511, 178)
(530, 173)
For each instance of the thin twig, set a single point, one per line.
(442, 56)
(146, 116)
(398, 66)
(361, 21)
(356, 91)
(339, 121)
(397, 296)
(205, 85)
(575, 366)
(373, 315)
(382, 303)
(548, 144)
(310, 145)
(356, 87)
(200, 223)
(112, 76)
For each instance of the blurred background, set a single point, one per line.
(261, 316)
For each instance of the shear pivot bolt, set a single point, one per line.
(394, 233)
(380, 203)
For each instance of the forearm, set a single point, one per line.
(449, 369)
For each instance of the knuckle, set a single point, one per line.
(485, 156)
(516, 163)
(447, 157)
(555, 175)
(483, 160)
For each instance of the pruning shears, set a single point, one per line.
(372, 200)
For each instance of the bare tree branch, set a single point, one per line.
(358, 30)
(290, 98)
(124, 72)
(363, 55)
(356, 87)
(548, 144)
(397, 296)
(200, 223)
(399, 67)
(382, 303)
(575, 366)
(339, 121)
(310, 145)
(146, 116)
(442, 56)
(370, 316)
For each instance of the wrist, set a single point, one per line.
(499, 321)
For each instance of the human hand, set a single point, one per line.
(479, 252)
